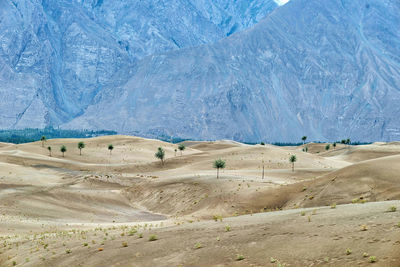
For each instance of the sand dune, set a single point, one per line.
(104, 200)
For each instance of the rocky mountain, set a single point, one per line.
(325, 69)
(57, 55)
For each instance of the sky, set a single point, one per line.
(281, 2)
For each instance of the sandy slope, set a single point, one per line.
(40, 194)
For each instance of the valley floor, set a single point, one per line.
(339, 207)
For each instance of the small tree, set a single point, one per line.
(49, 149)
(262, 143)
(110, 147)
(334, 145)
(348, 142)
(292, 160)
(43, 139)
(219, 164)
(175, 151)
(327, 147)
(181, 147)
(304, 138)
(160, 154)
(80, 146)
(343, 141)
(63, 149)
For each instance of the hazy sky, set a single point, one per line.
(281, 2)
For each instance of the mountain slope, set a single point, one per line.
(55, 56)
(328, 70)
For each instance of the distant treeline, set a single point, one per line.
(31, 135)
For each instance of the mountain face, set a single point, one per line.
(57, 55)
(325, 69)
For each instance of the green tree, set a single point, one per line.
(81, 145)
(181, 147)
(334, 145)
(49, 149)
(110, 147)
(175, 151)
(348, 142)
(327, 147)
(160, 154)
(304, 138)
(219, 164)
(43, 139)
(292, 160)
(63, 149)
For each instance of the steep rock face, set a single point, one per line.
(150, 27)
(57, 55)
(326, 69)
(54, 60)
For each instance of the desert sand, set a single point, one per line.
(337, 208)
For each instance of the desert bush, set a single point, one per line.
(153, 238)
(239, 257)
(392, 209)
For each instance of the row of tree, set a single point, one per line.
(160, 154)
(63, 148)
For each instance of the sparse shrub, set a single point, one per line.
(333, 206)
(132, 232)
(227, 228)
(392, 209)
(272, 260)
(124, 244)
(365, 254)
(85, 244)
(100, 249)
(217, 217)
(198, 245)
(364, 227)
(239, 257)
(303, 213)
(372, 259)
(314, 212)
(348, 251)
(68, 251)
(153, 238)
